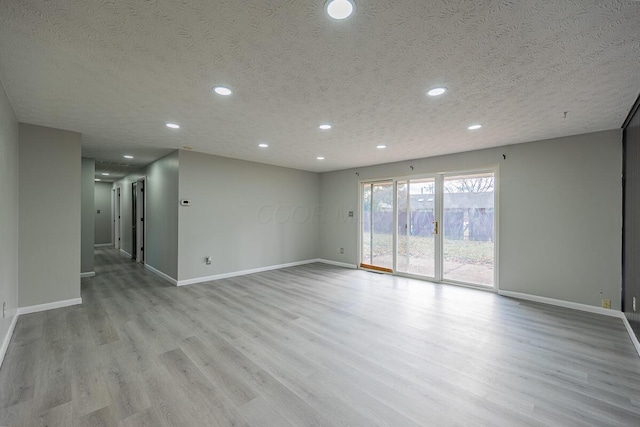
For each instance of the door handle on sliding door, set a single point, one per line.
(435, 228)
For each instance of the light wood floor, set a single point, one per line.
(312, 346)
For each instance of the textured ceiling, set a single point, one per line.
(116, 71)
(109, 155)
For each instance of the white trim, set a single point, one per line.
(102, 245)
(161, 274)
(7, 338)
(49, 306)
(336, 263)
(243, 272)
(577, 306)
(562, 303)
(122, 251)
(632, 334)
(88, 274)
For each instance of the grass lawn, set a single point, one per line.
(459, 251)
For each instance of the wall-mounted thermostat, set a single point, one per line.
(185, 202)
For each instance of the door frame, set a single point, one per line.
(438, 214)
(141, 221)
(134, 219)
(361, 223)
(117, 218)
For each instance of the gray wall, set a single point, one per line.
(560, 213)
(244, 215)
(162, 215)
(49, 230)
(161, 245)
(8, 212)
(87, 228)
(103, 220)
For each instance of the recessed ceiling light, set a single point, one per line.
(105, 174)
(126, 156)
(263, 145)
(474, 127)
(97, 179)
(381, 146)
(437, 91)
(325, 126)
(221, 90)
(339, 9)
(320, 158)
(173, 126)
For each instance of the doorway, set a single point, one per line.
(138, 202)
(116, 218)
(134, 220)
(440, 227)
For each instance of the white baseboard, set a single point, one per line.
(577, 306)
(7, 338)
(122, 251)
(632, 334)
(102, 245)
(562, 303)
(161, 274)
(49, 306)
(88, 274)
(336, 263)
(243, 272)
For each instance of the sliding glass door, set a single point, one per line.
(416, 252)
(440, 227)
(377, 225)
(468, 252)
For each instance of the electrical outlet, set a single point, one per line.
(341, 251)
(4, 308)
(634, 303)
(207, 260)
(606, 303)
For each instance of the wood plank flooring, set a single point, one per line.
(314, 345)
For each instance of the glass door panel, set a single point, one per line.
(377, 226)
(468, 229)
(366, 224)
(416, 217)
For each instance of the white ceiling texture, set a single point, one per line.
(118, 70)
